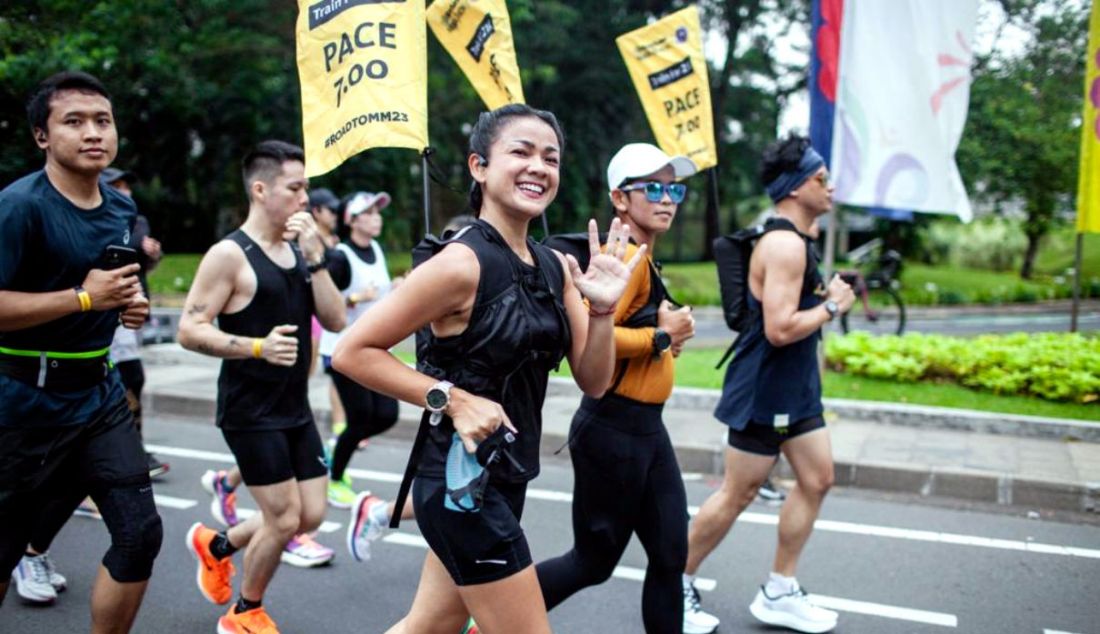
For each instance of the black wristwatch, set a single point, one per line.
(313, 268)
(832, 308)
(661, 341)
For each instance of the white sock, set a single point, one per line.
(380, 514)
(689, 580)
(778, 585)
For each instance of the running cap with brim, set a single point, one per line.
(635, 160)
(113, 175)
(323, 197)
(363, 201)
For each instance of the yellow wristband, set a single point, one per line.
(257, 347)
(84, 298)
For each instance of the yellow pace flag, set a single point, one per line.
(478, 35)
(363, 67)
(666, 63)
(1088, 179)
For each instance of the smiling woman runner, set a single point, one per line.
(503, 311)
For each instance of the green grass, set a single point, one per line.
(695, 368)
(174, 274)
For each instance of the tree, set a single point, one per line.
(1022, 137)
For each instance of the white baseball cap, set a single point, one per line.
(643, 159)
(363, 201)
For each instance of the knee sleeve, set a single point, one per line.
(136, 533)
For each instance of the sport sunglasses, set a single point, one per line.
(655, 191)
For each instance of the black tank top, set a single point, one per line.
(252, 393)
(771, 385)
(518, 332)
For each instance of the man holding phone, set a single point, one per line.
(771, 396)
(63, 411)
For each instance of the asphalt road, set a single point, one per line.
(888, 565)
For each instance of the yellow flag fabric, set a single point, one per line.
(1088, 179)
(478, 35)
(363, 67)
(666, 63)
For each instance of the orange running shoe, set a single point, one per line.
(251, 622)
(213, 577)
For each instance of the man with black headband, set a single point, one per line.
(771, 396)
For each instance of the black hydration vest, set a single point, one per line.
(252, 393)
(518, 332)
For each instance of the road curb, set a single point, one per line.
(931, 482)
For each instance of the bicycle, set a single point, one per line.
(879, 309)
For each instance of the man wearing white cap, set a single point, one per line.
(627, 479)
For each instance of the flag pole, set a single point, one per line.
(427, 192)
(1076, 283)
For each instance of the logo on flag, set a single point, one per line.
(363, 70)
(478, 35)
(666, 63)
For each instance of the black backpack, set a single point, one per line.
(732, 253)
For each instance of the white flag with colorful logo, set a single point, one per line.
(901, 104)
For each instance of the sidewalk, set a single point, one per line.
(1027, 462)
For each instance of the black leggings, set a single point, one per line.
(626, 480)
(368, 413)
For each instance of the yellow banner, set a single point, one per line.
(1088, 179)
(363, 66)
(666, 63)
(478, 35)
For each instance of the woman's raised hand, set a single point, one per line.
(605, 280)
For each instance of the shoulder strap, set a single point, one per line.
(410, 469)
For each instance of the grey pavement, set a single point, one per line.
(1027, 462)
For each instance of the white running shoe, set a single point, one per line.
(302, 551)
(696, 621)
(363, 529)
(57, 580)
(32, 580)
(794, 611)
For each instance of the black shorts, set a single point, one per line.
(271, 456)
(765, 439)
(474, 547)
(40, 464)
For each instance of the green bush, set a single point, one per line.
(1053, 366)
(992, 243)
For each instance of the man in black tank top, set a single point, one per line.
(262, 284)
(771, 397)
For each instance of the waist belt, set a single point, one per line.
(56, 371)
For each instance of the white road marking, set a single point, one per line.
(1045, 631)
(886, 611)
(173, 502)
(768, 519)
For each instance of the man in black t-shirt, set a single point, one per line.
(64, 286)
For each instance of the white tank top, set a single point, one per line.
(363, 275)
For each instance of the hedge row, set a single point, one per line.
(1054, 366)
